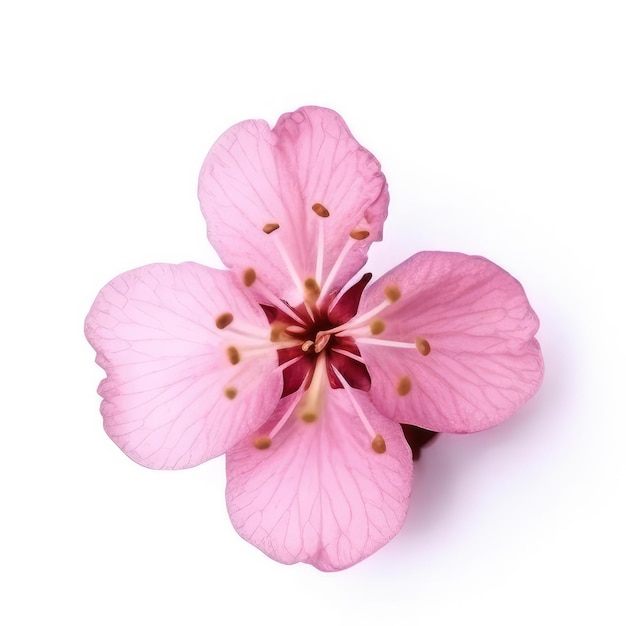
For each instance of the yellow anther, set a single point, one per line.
(223, 320)
(404, 386)
(262, 442)
(249, 276)
(392, 293)
(270, 228)
(377, 326)
(307, 345)
(360, 234)
(233, 355)
(230, 392)
(320, 209)
(378, 444)
(422, 345)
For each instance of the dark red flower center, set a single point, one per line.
(315, 327)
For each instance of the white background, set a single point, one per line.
(501, 129)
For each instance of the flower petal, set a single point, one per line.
(475, 361)
(172, 397)
(320, 494)
(262, 191)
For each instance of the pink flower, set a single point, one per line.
(295, 369)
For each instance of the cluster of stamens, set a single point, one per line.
(315, 340)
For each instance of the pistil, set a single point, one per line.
(313, 399)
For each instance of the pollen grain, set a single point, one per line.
(262, 443)
(223, 320)
(249, 276)
(378, 444)
(312, 290)
(404, 386)
(230, 392)
(320, 209)
(422, 345)
(377, 326)
(392, 293)
(359, 235)
(277, 331)
(233, 355)
(270, 228)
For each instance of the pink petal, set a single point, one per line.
(484, 362)
(165, 397)
(320, 494)
(254, 176)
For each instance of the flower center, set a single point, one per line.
(314, 327)
(315, 341)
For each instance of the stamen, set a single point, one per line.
(294, 329)
(270, 228)
(223, 320)
(319, 261)
(377, 326)
(262, 443)
(355, 404)
(233, 355)
(359, 235)
(286, 415)
(249, 276)
(253, 349)
(356, 357)
(252, 335)
(280, 332)
(307, 345)
(320, 209)
(335, 268)
(360, 321)
(422, 345)
(288, 264)
(289, 363)
(378, 444)
(230, 392)
(404, 386)
(312, 290)
(387, 343)
(392, 293)
(272, 299)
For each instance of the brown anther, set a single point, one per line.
(392, 293)
(262, 443)
(270, 228)
(359, 235)
(404, 386)
(377, 326)
(378, 444)
(308, 417)
(307, 345)
(223, 320)
(320, 209)
(312, 290)
(422, 345)
(249, 276)
(276, 332)
(230, 392)
(233, 355)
